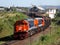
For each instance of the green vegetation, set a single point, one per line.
(1, 42)
(57, 16)
(7, 20)
(52, 37)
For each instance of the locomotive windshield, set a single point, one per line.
(21, 22)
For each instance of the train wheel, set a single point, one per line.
(31, 33)
(15, 36)
(26, 35)
(39, 29)
(21, 37)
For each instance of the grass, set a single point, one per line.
(7, 23)
(51, 38)
(1, 42)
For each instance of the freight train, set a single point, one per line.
(27, 27)
(30, 26)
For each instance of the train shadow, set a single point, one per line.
(8, 38)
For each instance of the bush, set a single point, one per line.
(58, 22)
(58, 14)
(44, 38)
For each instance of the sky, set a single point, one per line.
(27, 3)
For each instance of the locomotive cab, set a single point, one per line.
(21, 26)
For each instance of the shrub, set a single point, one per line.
(58, 22)
(58, 14)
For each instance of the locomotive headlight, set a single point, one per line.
(20, 28)
(24, 29)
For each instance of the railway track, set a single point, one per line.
(29, 40)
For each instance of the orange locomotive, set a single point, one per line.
(28, 27)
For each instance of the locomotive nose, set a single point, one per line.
(21, 26)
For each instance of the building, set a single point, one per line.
(51, 11)
(2, 8)
(35, 11)
(38, 10)
(20, 9)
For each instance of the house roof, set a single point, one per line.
(51, 7)
(40, 8)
